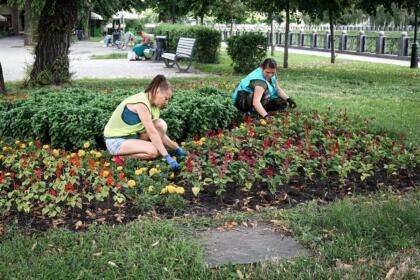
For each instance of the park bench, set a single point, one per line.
(183, 51)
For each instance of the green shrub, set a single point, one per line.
(69, 117)
(207, 40)
(247, 51)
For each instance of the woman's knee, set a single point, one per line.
(160, 125)
(153, 153)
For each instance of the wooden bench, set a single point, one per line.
(183, 51)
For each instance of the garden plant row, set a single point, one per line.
(294, 156)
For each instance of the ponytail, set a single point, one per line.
(158, 82)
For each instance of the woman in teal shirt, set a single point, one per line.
(260, 91)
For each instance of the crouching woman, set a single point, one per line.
(135, 129)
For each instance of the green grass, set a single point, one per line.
(109, 56)
(369, 234)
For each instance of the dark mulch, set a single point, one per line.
(297, 191)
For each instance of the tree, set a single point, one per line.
(334, 9)
(55, 26)
(412, 5)
(201, 8)
(2, 86)
(227, 11)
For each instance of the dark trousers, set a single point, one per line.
(244, 102)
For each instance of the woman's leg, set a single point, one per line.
(138, 149)
(273, 105)
(161, 127)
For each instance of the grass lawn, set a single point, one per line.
(110, 56)
(380, 233)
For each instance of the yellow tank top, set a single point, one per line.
(117, 127)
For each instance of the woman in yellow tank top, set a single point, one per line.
(135, 129)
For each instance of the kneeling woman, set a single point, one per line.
(135, 129)
(260, 91)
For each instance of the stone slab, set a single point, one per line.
(244, 245)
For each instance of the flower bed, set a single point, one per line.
(291, 158)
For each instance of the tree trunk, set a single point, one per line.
(87, 25)
(332, 39)
(2, 86)
(271, 34)
(286, 41)
(27, 41)
(56, 23)
(202, 19)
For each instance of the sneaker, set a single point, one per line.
(118, 160)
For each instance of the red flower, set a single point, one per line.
(269, 172)
(266, 143)
(91, 165)
(213, 160)
(52, 192)
(189, 165)
(287, 163)
(38, 145)
(109, 181)
(57, 173)
(69, 187)
(121, 176)
(72, 173)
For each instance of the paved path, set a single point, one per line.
(15, 59)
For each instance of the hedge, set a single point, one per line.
(207, 43)
(247, 51)
(69, 117)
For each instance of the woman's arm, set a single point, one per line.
(154, 136)
(256, 101)
(280, 92)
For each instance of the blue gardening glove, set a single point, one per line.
(178, 152)
(173, 163)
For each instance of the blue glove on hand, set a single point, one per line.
(178, 152)
(173, 163)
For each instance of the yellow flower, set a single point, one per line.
(56, 153)
(119, 168)
(98, 154)
(86, 145)
(106, 172)
(183, 144)
(131, 183)
(45, 147)
(30, 143)
(263, 122)
(97, 163)
(22, 146)
(153, 171)
(172, 176)
(151, 189)
(17, 142)
(164, 190)
(171, 188)
(107, 164)
(72, 155)
(1, 156)
(149, 163)
(203, 139)
(81, 153)
(138, 172)
(179, 190)
(157, 166)
(5, 149)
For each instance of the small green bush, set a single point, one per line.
(247, 51)
(69, 117)
(207, 43)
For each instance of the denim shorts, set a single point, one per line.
(113, 145)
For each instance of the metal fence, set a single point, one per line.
(379, 45)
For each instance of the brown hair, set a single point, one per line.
(159, 81)
(269, 63)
